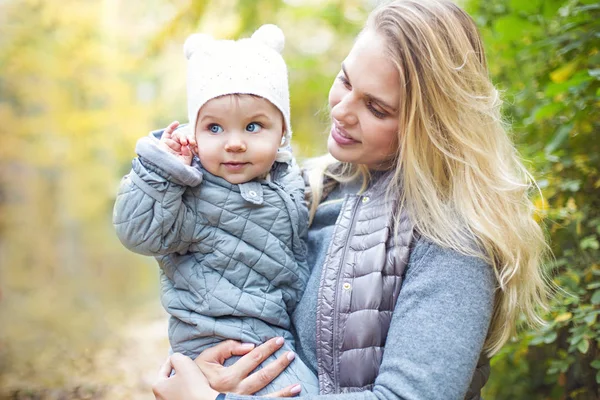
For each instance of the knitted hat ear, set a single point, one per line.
(270, 35)
(195, 43)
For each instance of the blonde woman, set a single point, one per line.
(422, 246)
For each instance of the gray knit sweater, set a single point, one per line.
(444, 308)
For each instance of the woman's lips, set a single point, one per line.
(340, 136)
(234, 166)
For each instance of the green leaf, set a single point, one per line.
(511, 28)
(594, 285)
(578, 79)
(595, 364)
(589, 242)
(550, 338)
(559, 138)
(595, 73)
(563, 317)
(548, 110)
(583, 346)
(529, 7)
(590, 319)
(596, 298)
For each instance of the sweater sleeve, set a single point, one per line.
(152, 215)
(437, 330)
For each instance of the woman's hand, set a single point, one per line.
(236, 378)
(188, 383)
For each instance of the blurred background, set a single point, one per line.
(81, 81)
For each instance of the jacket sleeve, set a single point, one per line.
(152, 213)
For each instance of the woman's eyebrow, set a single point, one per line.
(370, 96)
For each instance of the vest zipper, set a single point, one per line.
(337, 294)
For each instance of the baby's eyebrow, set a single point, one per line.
(210, 116)
(259, 115)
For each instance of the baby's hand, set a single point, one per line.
(177, 143)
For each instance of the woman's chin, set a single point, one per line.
(337, 152)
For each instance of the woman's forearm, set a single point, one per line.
(437, 331)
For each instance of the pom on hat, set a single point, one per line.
(270, 35)
(194, 43)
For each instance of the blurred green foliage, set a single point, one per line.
(81, 81)
(545, 55)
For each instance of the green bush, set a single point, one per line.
(545, 56)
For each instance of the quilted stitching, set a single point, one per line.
(228, 265)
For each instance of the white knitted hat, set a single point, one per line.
(246, 66)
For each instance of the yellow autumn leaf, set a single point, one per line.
(563, 317)
(563, 73)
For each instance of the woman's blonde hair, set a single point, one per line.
(457, 171)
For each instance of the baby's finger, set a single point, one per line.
(185, 151)
(168, 132)
(173, 145)
(192, 141)
(172, 126)
(289, 391)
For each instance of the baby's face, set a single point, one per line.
(238, 136)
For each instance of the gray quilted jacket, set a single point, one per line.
(232, 257)
(361, 278)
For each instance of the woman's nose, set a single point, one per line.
(235, 145)
(344, 111)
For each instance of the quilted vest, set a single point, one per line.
(360, 282)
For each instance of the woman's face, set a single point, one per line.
(364, 103)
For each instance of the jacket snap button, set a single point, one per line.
(347, 286)
(365, 199)
(252, 193)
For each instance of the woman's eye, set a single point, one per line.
(344, 81)
(214, 128)
(253, 127)
(375, 112)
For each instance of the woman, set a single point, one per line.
(423, 245)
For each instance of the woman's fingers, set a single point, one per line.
(261, 378)
(253, 359)
(165, 369)
(289, 391)
(224, 350)
(183, 365)
(187, 383)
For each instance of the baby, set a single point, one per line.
(227, 226)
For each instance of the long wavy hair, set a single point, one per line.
(456, 170)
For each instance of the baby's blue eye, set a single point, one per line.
(214, 128)
(253, 127)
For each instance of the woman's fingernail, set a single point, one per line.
(291, 355)
(247, 346)
(279, 340)
(296, 389)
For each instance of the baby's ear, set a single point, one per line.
(196, 43)
(270, 35)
